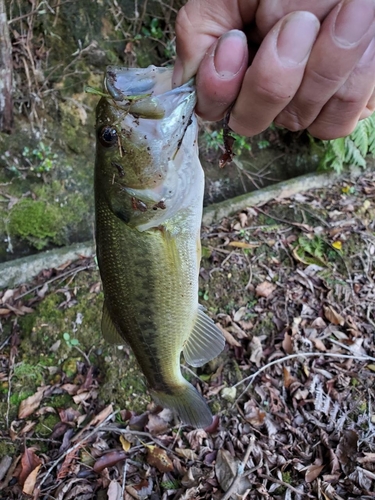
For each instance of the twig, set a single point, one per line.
(77, 445)
(282, 483)
(240, 471)
(83, 354)
(135, 433)
(55, 278)
(124, 470)
(36, 11)
(252, 377)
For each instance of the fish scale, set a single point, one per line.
(148, 197)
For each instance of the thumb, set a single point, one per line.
(199, 24)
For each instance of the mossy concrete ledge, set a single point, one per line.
(285, 189)
(23, 270)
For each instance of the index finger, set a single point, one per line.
(198, 26)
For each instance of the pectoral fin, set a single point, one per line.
(205, 342)
(109, 330)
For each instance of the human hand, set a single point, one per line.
(311, 68)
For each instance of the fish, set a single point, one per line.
(149, 187)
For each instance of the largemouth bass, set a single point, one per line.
(148, 196)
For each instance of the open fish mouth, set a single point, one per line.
(147, 88)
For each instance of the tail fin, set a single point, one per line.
(189, 405)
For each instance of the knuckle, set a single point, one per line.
(327, 131)
(291, 120)
(272, 93)
(325, 80)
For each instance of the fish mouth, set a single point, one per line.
(130, 82)
(147, 92)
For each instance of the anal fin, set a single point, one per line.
(205, 342)
(109, 331)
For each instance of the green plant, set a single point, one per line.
(351, 149)
(70, 342)
(214, 140)
(153, 30)
(314, 247)
(41, 158)
(263, 144)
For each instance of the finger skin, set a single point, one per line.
(329, 66)
(199, 24)
(340, 115)
(270, 82)
(218, 83)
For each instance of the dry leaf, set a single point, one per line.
(287, 343)
(265, 289)
(109, 459)
(243, 219)
(29, 484)
(30, 404)
(29, 462)
(114, 491)
(288, 378)
(333, 317)
(185, 453)
(312, 472)
(243, 244)
(125, 443)
(67, 464)
(196, 437)
(256, 351)
(253, 414)
(226, 470)
(229, 337)
(157, 457)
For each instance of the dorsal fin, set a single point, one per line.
(205, 342)
(109, 331)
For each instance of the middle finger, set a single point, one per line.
(344, 37)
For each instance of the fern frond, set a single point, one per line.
(351, 149)
(360, 137)
(370, 127)
(353, 154)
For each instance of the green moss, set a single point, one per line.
(27, 374)
(123, 380)
(61, 401)
(36, 221)
(7, 448)
(19, 395)
(46, 424)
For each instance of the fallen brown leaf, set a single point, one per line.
(157, 457)
(30, 404)
(29, 461)
(265, 289)
(333, 317)
(29, 484)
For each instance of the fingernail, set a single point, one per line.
(353, 21)
(178, 70)
(369, 53)
(296, 37)
(230, 53)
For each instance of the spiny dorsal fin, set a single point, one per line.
(205, 342)
(109, 330)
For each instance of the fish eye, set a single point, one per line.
(108, 136)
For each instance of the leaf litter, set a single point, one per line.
(292, 285)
